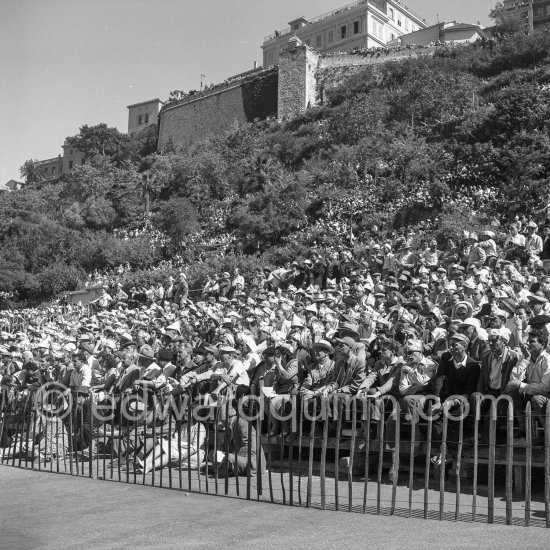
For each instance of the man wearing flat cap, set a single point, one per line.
(456, 380)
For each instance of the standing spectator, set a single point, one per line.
(533, 241)
(430, 256)
(224, 285)
(237, 282)
(182, 290)
(477, 255)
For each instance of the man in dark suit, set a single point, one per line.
(131, 372)
(457, 374)
(455, 381)
(477, 348)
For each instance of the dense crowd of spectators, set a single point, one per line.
(448, 320)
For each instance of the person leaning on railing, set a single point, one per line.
(535, 385)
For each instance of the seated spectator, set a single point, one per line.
(285, 387)
(384, 377)
(534, 385)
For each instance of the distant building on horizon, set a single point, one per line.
(49, 168)
(140, 115)
(449, 31)
(71, 157)
(11, 185)
(362, 24)
(534, 14)
(143, 114)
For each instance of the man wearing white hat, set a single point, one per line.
(236, 379)
(477, 348)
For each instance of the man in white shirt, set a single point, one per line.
(238, 279)
(81, 376)
(236, 378)
(515, 243)
(535, 385)
(533, 242)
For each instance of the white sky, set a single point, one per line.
(66, 63)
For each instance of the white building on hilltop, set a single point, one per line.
(362, 24)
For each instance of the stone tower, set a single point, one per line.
(297, 84)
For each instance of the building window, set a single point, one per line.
(343, 32)
(392, 36)
(70, 165)
(392, 16)
(139, 119)
(377, 28)
(356, 27)
(406, 24)
(147, 119)
(398, 21)
(330, 37)
(53, 170)
(319, 41)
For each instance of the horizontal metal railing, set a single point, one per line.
(331, 453)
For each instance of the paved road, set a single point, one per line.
(45, 510)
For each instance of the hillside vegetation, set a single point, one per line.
(462, 137)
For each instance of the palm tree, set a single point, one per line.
(30, 173)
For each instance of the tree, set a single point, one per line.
(98, 140)
(29, 172)
(507, 22)
(178, 218)
(98, 213)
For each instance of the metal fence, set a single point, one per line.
(344, 454)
